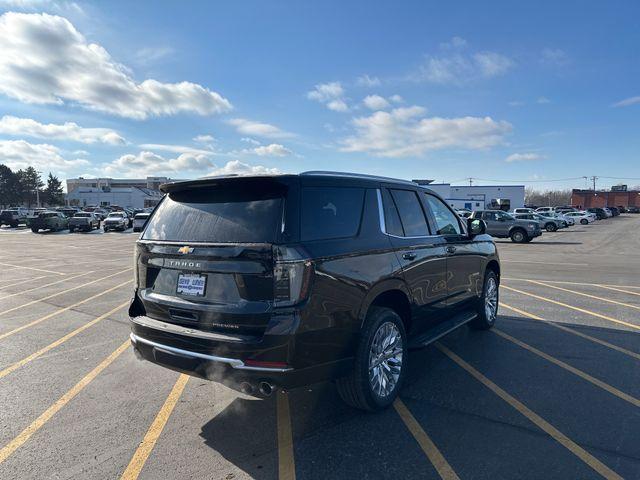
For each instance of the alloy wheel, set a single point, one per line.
(491, 300)
(385, 359)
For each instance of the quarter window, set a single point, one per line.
(392, 223)
(412, 216)
(446, 221)
(330, 212)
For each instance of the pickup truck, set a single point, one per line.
(13, 217)
(86, 221)
(503, 225)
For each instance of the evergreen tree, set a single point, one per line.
(53, 194)
(30, 185)
(9, 187)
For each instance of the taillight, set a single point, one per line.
(291, 276)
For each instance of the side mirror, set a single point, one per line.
(475, 226)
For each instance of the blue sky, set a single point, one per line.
(530, 92)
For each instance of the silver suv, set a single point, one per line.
(502, 225)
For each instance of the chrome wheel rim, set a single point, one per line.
(491, 300)
(385, 359)
(518, 236)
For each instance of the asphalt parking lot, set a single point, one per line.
(552, 392)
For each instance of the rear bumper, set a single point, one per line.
(223, 358)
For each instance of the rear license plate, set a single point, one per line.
(192, 284)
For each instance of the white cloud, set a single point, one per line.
(148, 163)
(175, 148)
(523, 157)
(367, 81)
(375, 102)
(454, 43)
(46, 60)
(149, 55)
(627, 101)
(272, 150)
(543, 100)
(457, 67)
(15, 126)
(258, 129)
(554, 57)
(407, 132)
(236, 167)
(250, 140)
(20, 154)
(396, 98)
(203, 139)
(331, 94)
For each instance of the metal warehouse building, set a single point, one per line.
(478, 197)
(104, 192)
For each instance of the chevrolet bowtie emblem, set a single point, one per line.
(186, 249)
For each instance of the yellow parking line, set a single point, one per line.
(62, 310)
(4, 312)
(13, 367)
(31, 268)
(286, 460)
(39, 422)
(608, 287)
(577, 309)
(428, 447)
(561, 282)
(573, 332)
(536, 419)
(20, 282)
(149, 441)
(585, 376)
(622, 304)
(22, 292)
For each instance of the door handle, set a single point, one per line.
(451, 249)
(409, 256)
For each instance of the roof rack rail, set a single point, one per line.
(356, 175)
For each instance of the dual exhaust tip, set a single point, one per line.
(263, 389)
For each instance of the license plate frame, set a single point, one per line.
(190, 289)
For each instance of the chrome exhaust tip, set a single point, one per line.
(246, 388)
(266, 389)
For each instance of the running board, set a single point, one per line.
(441, 329)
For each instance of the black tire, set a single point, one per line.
(584, 221)
(34, 230)
(551, 227)
(518, 235)
(484, 321)
(71, 230)
(14, 225)
(356, 389)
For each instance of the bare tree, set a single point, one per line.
(547, 198)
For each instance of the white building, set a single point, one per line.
(135, 193)
(478, 197)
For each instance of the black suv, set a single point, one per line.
(286, 280)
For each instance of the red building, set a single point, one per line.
(599, 199)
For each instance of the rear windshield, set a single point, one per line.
(220, 215)
(82, 215)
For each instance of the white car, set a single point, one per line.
(139, 221)
(608, 212)
(116, 221)
(583, 218)
(544, 210)
(521, 210)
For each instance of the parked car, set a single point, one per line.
(118, 220)
(562, 222)
(49, 220)
(622, 208)
(502, 225)
(86, 221)
(287, 280)
(521, 210)
(599, 212)
(464, 213)
(614, 211)
(633, 209)
(545, 209)
(565, 210)
(608, 212)
(546, 223)
(13, 216)
(583, 217)
(139, 221)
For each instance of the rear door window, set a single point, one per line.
(330, 212)
(220, 215)
(392, 223)
(412, 216)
